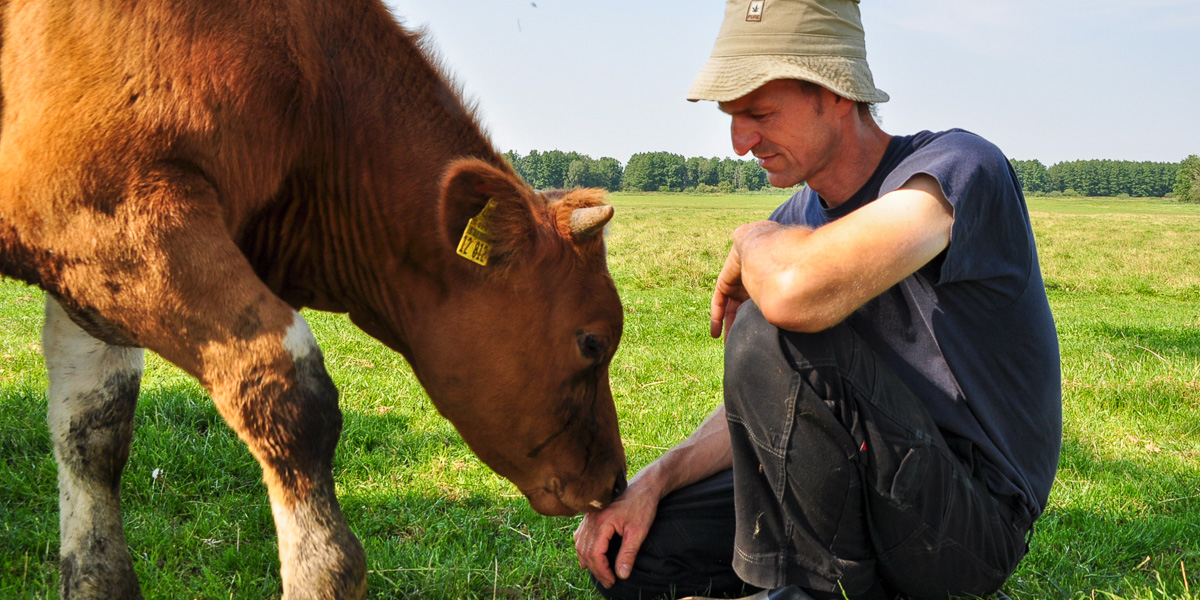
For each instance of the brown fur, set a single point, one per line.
(182, 174)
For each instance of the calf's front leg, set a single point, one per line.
(93, 388)
(283, 404)
(162, 272)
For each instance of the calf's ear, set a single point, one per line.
(507, 228)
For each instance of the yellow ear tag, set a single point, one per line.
(474, 245)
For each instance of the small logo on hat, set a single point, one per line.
(754, 13)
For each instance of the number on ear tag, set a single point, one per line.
(474, 245)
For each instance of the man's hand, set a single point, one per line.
(730, 292)
(702, 454)
(629, 516)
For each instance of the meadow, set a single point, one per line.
(1123, 523)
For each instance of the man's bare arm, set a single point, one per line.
(810, 280)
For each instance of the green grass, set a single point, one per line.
(1123, 521)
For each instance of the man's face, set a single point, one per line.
(787, 127)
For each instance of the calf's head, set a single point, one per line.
(520, 356)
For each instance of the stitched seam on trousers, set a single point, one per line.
(757, 441)
(780, 482)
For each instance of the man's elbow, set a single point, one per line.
(797, 314)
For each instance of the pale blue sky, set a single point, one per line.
(1055, 81)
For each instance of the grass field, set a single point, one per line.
(1123, 521)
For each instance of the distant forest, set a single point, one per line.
(646, 172)
(1098, 178)
(667, 172)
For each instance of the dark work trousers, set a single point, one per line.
(842, 483)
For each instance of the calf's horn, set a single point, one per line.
(587, 222)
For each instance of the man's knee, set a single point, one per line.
(756, 349)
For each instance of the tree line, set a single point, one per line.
(646, 172)
(1112, 178)
(668, 172)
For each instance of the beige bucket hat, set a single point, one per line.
(762, 40)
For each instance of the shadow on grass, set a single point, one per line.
(1161, 340)
(428, 545)
(1113, 525)
(199, 523)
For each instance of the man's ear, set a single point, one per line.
(506, 230)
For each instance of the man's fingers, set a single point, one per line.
(579, 552)
(593, 553)
(723, 316)
(580, 537)
(731, 309)
(716, 314)
(727, 295)
(631, 542)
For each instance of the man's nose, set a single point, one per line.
(745, 137)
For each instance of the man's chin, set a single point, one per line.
(782, 181)
(784, 178)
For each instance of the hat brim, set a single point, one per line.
(727, 78)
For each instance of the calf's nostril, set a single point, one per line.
(620, 485)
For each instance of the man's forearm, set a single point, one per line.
(703, 453)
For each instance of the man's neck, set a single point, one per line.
(859, 154)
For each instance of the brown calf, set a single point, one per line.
(183, 175)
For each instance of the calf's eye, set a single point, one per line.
(591, 346)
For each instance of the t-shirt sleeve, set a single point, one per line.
(990, 241)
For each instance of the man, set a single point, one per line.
(892, 412)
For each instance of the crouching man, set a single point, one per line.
(892, 415)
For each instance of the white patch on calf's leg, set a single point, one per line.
(319, 556)
(80, 360)
(299, 340)
(92, 392)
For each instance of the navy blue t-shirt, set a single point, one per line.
(970, 332)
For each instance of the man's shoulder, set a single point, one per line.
(957, 158)
(958, 143)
